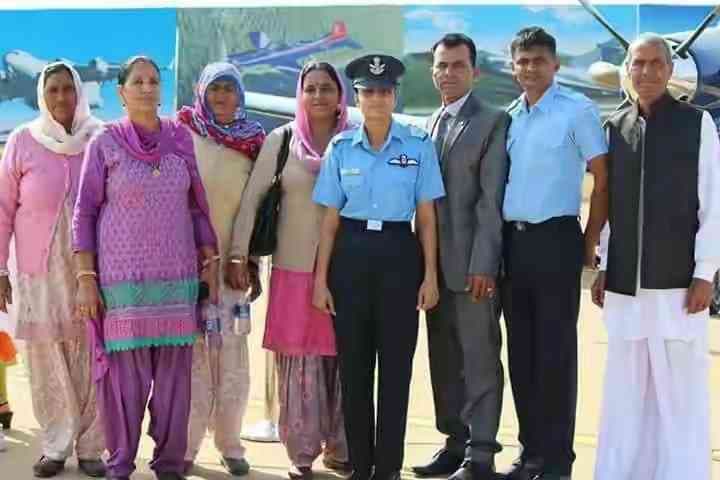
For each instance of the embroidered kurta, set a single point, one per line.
(37, 190)
(145, 230)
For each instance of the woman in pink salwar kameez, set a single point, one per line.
(302, 337)
(38, 186)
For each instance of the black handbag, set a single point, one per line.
(264, 236)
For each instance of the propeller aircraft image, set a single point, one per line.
(20, 70)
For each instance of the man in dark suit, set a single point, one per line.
(463, 330)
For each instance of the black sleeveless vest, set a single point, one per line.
(667, 148)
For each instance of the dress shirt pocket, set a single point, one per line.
(557, 135)
(351, 178)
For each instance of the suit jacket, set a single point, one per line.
(474, 166)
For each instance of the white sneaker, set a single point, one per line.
(3, 444)
(263, 431)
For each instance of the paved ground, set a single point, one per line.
(269, 461)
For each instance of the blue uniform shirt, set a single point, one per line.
(549, 146)
(386, 185)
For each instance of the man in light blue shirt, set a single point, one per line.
(555, 135)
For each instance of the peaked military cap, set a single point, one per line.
(372, 71)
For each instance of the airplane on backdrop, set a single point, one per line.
(289, 57)
(573, 73)
(20, 70)
(696, 75)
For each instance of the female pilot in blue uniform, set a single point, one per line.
(372, 273)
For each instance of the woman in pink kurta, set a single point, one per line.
(38, 185)
(143, 241)
(302, 337)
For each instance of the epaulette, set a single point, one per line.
(344, 135)
(417, 132)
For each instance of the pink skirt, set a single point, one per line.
(293, 326)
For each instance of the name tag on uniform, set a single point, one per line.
(374, 225)
(350, 171)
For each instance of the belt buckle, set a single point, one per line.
(520, 226)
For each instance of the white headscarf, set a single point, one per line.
(48, 132)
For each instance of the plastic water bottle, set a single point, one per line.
(241, 315)
(213, 325)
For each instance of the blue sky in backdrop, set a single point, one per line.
(492, 27)
(80, 36)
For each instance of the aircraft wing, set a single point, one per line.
(284, 107)
(98, 70)
(273, 59)
(92, 92)
(574, 82)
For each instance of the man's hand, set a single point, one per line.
(699, 295)
(598, 290)
(480, 286)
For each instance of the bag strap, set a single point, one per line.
(283, 154)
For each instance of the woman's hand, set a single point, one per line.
(254, 282)
(88, 302)
(322, 298)
(5, 293)
(209, 275)
(237, 276)
(429, 294)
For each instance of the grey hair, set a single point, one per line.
(651, 39)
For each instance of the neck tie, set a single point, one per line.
(441, 131)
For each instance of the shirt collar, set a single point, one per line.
(454, 108)
(545, 102)
(361, 137)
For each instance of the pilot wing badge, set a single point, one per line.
(377, 67)
(403, 161)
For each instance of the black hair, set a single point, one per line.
(126, 68)
(56, 68)
(452, 40)
(530, 37)
(323, 67)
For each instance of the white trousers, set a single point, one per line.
(220, 390)
(655, 422)
(63, 398)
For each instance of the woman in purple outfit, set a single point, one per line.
(143, 242)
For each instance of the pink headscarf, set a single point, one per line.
(301, 144)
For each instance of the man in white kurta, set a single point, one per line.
(655, 415)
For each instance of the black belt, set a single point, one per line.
(521, 226)
(354, 225)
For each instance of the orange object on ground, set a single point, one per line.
(7, 349)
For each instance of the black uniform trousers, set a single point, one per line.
(374, 279)
(541, 302)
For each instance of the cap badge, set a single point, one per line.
(377, 67)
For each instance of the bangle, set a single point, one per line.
(241, 260)
(209, 260)
(85, 273)
(4, 272)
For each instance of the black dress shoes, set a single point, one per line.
(442, 464)
(522, 471)
(475, 471)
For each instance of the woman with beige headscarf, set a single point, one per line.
(38, 184)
